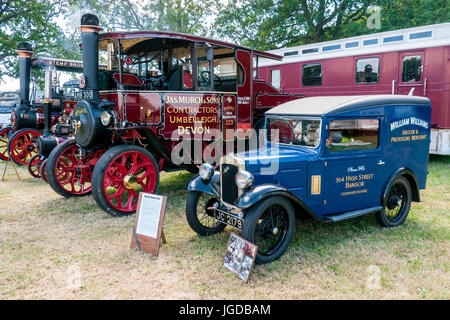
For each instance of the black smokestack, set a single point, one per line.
(25, 52)
(89, 39)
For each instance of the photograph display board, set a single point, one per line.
(240, 256)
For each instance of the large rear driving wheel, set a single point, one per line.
(120, 175)
(5, 133)
(22, 145)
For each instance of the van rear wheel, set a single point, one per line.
(396, 204)
(270, 225)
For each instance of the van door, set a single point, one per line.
(352, 164)
(411, 75)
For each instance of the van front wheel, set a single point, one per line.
(270, 225)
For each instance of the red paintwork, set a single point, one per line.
(338, 78)
(68, 106)
(4, 138)
(244, 91)
(181, 36)
(128, 79)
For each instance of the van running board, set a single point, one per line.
(351, 214)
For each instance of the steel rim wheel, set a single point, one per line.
(72, 175)
(396, 202)
(34, 166)
(284, 129)
(126, 176)
(4, 139)
(22, 145)
(205, 216)
(271, 230)
(42, 170)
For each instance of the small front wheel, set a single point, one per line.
(270, 225)
(396, 205)
(42, 170)
(198, 216)
(34, 166)
(120, 175)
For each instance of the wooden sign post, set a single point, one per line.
(15, 169)
(148, 227)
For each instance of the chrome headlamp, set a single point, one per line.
(106, 118)
(244, 179)
(206, 171)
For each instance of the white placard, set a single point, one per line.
(149, 215)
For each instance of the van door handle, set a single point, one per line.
(380, 163)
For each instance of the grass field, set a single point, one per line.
(56, 248)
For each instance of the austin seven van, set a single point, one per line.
(324, 158)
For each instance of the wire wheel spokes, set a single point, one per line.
(72, 174)
(23, 146)
(204, 215)
(271, 229)
(127, 175)
(4, 139)
(34, 166)
(396, 202)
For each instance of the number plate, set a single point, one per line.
(88, 94)
(229, 219)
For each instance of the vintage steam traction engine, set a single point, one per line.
(162, 91)
(23, 141)
(25, 122)
(57, 109)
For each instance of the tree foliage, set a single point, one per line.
(187, 16)
(31, 21)
(269, 24)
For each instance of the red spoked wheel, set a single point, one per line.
(285, 131)
(120, 175)
(34, 166)
(68, 172)
(42, 170)
(22, 145)
(4, 139)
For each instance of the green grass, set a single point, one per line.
(44, 236)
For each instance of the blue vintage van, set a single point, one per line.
(325, 158)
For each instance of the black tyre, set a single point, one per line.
(199, 217)
(270, 225)
(42, 170)
(120, 175)
(397, 204)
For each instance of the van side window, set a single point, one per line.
(411, 68)
(367, 70)
(353, 134)
(275, 78)
(312, 74)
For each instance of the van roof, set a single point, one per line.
(339, 104)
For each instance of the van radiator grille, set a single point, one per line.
(228, 185)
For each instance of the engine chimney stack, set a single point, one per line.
(89, 38)
(25, 52)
